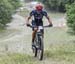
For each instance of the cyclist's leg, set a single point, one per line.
(33, 34)
(34, 31)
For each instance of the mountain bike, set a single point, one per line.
(38, 48)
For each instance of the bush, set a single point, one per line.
(15, 3)
(71, 18)
(6, 10)
(5, 13)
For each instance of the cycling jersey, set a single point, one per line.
(38, 16)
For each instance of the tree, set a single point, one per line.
(71, 18)
(15, 3)
(5, 13)
(6, 10)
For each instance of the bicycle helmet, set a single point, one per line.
(39, 7)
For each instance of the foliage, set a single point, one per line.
(71, 17)
(15, 3)
(6, 10)
(56, 5)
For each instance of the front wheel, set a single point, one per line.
(40, 54)
(40, 49)
(34, 51)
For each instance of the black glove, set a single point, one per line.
(50, 25)
(28, 24)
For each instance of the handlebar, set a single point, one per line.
(43, 26)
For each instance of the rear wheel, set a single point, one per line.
(35, 51)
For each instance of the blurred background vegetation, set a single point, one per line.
(7, 8)
(56, 5)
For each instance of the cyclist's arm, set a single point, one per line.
(27, 22)
(46, 15)
(30, 15)
(49, 20)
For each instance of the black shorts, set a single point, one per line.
(36, 23)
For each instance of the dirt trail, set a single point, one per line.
(17, 37)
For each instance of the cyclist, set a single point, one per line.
(38, 14)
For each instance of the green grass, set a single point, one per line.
(61, 45)
(62, 52)
(16, 59)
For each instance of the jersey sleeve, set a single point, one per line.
(45, 13)
(31, 13)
